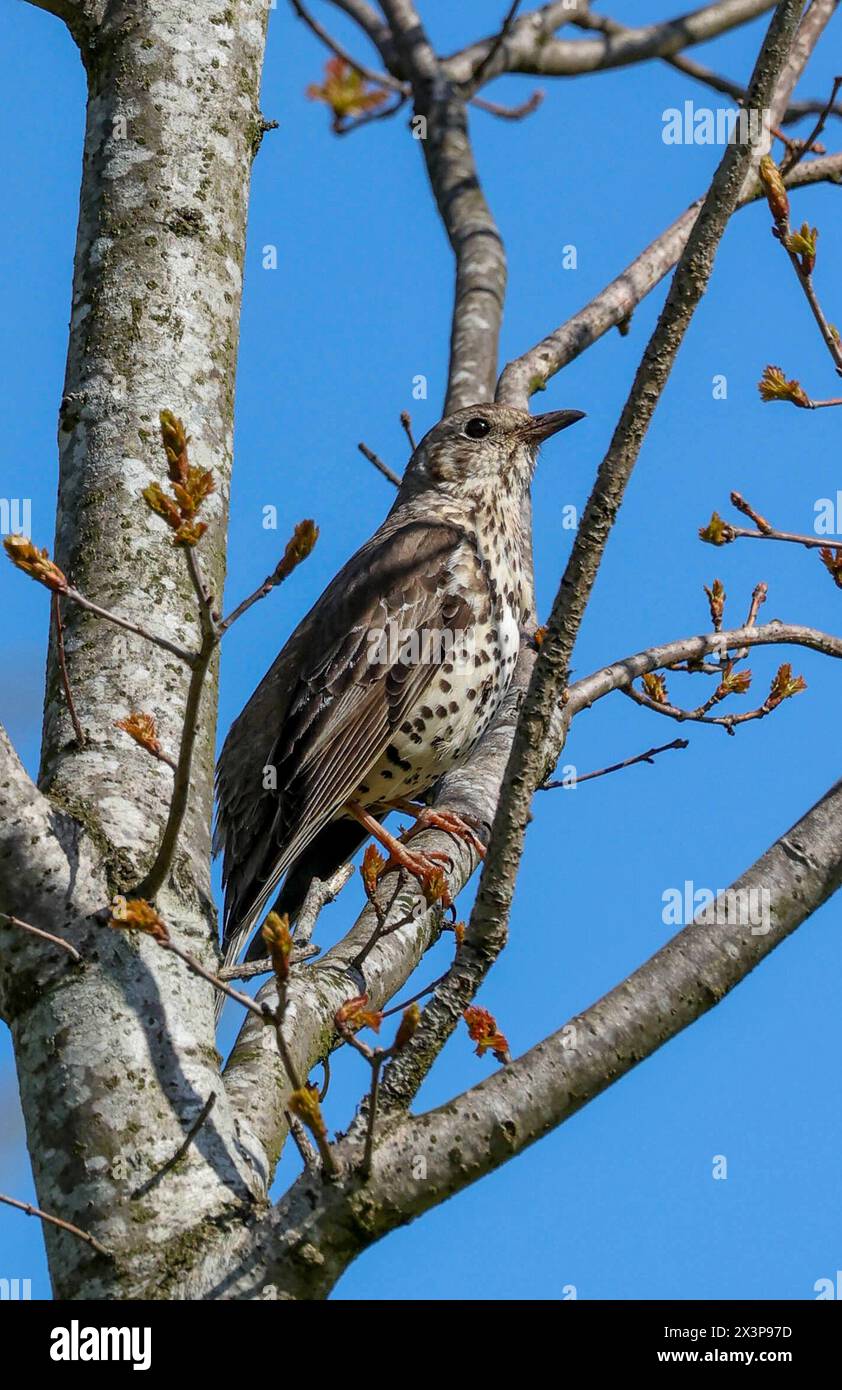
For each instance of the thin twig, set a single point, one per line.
(413, 998)
(180, 1151)
(378, 463)
(406, 421)
(744, 533)
(510, 113)
(698, 716)
(62, 666)
(647, 757)
(380, 79)
(796, 111)
(270, 582)
(765, 531)
(203, 594)
(44, 935)
(30, 1210)
(797, 145)
(155, 879)
(374, 1096)
(247, 970)
(831, 341)
(260, 1011)
(381, 113)
(326, 1077)
(320, 893)
(302, 1142)
(73, 596)
(482, 68)
(794, 155)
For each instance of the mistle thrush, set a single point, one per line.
(395, 673)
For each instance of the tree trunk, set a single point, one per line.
(123, 1046)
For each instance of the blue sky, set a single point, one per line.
(620, 1202)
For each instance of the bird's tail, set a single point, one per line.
(332, 847)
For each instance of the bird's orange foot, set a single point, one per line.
(427, 817)
(426, 866)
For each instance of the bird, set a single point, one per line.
(392, 677)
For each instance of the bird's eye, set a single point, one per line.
(477, 428)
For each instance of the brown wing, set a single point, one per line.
(325, 712)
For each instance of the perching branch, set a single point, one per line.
(477, 1132)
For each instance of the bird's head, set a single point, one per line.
(482, 448)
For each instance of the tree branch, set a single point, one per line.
(648, 757)
(467, 219)
(460, 984)
(29, 1210)
(380, 79)
(619, 675)
(794, 112)
(42, 935)
(253, 1078)
(478, 1131)
(44, 861)
(529, 49)
(375, 30)
(534, 752)
(525, 375)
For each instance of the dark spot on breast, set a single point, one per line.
(394, 756)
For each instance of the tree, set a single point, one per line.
(113, 1028)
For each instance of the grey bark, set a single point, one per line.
(301, 1248)
(115, 1059)
(115, 1054)
(530, 47)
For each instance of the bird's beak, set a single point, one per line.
(540, 427)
